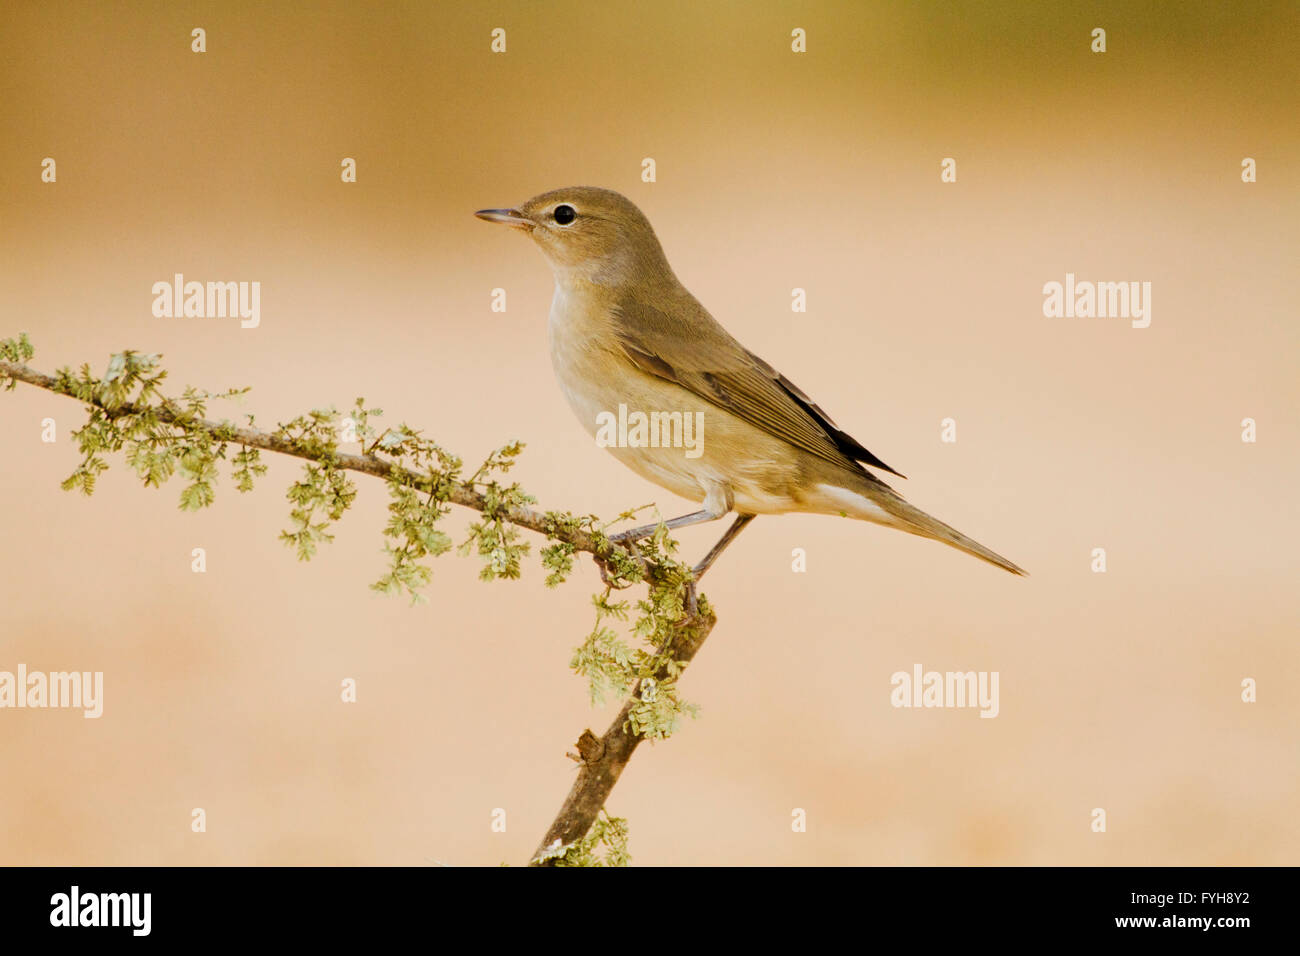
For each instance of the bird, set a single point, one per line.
(625, 334)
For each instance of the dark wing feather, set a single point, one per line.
(732, 377)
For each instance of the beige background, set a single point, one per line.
(775, 170)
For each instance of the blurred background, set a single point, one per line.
(775, 170)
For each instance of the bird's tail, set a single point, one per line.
(870, 499)
(915, 521)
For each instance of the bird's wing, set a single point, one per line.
(723, 372)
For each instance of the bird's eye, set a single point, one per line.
(565, 215)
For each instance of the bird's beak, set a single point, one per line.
(507, 217)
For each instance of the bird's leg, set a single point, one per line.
(737, 526)
(672, 524)
(718, 502)
(628, 537)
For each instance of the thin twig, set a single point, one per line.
(461, 493)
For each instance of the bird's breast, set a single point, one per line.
(585, 365)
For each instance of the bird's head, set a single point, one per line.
(588, 233)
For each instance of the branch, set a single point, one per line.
(459, 493)
(602, 758)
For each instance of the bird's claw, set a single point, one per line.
(602, 565)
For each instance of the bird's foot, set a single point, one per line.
(603, 565)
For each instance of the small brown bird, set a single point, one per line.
(656, 379)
